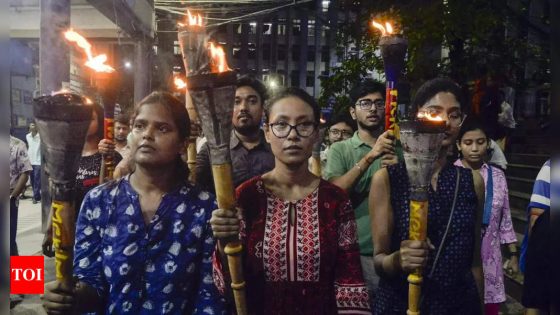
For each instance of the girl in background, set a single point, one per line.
(497, 228)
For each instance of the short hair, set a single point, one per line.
(434, 86)
(293, 92)
(471, 123)
(343, 117)
(365, 87)
(255, 84)
(122, 119)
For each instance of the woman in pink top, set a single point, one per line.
(497, 227)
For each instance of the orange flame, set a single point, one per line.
(218, 58)
(97, 63)
(192, 20)
(88, 100)
(61, 91)
(385, 30)
(428, 116)
(180, 84)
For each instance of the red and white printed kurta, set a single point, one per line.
(309, 267)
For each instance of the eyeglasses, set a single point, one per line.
(368, 104)
(340, 133)
(282, 129)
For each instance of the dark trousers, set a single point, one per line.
(14, 203)
(36, 182)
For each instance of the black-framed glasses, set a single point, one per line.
(283, 129)
(340, 133)
(368, 104)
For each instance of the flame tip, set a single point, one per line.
(97, 63)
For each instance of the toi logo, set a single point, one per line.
(27, 275)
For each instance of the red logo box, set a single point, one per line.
(27, 275)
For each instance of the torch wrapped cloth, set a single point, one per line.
(393, 52)
(212, 95)
(193, 43)
(62, 121)
(421, 141)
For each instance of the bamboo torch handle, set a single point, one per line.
(226, 200)
(63, 225)
(191, 148)
(108, 162)
(417, 232)
(191, 159)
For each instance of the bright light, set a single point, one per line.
(127, 65)
(272, 84)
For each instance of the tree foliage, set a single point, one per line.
(482, 37)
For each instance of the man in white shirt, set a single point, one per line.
(497, 157)
(34, 152)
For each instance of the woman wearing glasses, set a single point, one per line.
(299, 232)
(453, 282)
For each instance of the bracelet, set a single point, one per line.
(359, 167)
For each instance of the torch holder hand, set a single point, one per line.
(212, 95)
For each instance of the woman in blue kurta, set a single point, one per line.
(143, 243)
(452, 282)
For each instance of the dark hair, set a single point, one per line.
(343, 117)
(365, 87)
(255, 84)
(97, 109)
(434, 86)
(471, 124)
(122, 119)
(295, 92)
(180, 118)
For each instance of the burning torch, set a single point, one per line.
(181, 88)
(63, 120)
(108, 88)
(212, 88)
(421, 141)
(193, 43)
(393, 52)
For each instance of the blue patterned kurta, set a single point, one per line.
(164, 267)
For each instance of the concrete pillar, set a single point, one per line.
(54, 58)
(303, 50)
(54, 68)
(142, 71)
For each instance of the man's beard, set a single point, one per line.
(371, 129)
(247, 130)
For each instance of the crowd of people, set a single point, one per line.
(151, 242)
